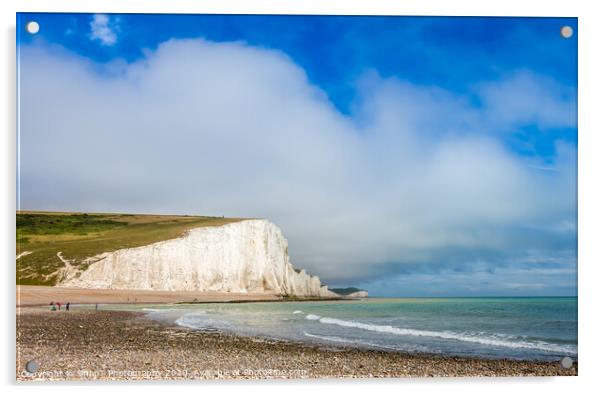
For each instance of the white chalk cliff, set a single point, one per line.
(245, 256)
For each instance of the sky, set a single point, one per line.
(409, 156)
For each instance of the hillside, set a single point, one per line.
(352, 292)
(77, 236)
(345, 290)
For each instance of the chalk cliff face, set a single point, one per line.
(246, 256)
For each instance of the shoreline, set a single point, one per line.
(43, 295)
(119, 345)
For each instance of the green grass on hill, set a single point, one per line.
(81, 235)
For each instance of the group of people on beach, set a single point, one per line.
(57, 306)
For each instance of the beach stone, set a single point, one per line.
(154, 348)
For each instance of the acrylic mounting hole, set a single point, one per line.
(566, 31)
(32, 27)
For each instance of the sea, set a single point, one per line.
(530, 328)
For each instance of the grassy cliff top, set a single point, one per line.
(346, 290)
(41, 235)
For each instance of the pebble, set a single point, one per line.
(134, 348)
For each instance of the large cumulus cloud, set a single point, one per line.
(415, 177)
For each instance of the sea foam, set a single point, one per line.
(489, 340)
(312, 317)
(200, 321)
(354, 341)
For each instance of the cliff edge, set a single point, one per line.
(246, 256)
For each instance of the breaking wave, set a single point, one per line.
(200, 321)
(483, 339)
(332, 338)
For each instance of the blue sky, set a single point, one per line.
(415, 115)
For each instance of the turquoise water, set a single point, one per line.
(517, 328)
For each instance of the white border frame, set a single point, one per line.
(590, 258)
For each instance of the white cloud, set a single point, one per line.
(525, 98)
(228, 129)
(103, 28)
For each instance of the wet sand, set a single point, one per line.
(116, 345)
(43, 295)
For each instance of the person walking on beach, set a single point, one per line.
(52, 308)
(67, 306)
(58, 304)
(96, 307)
